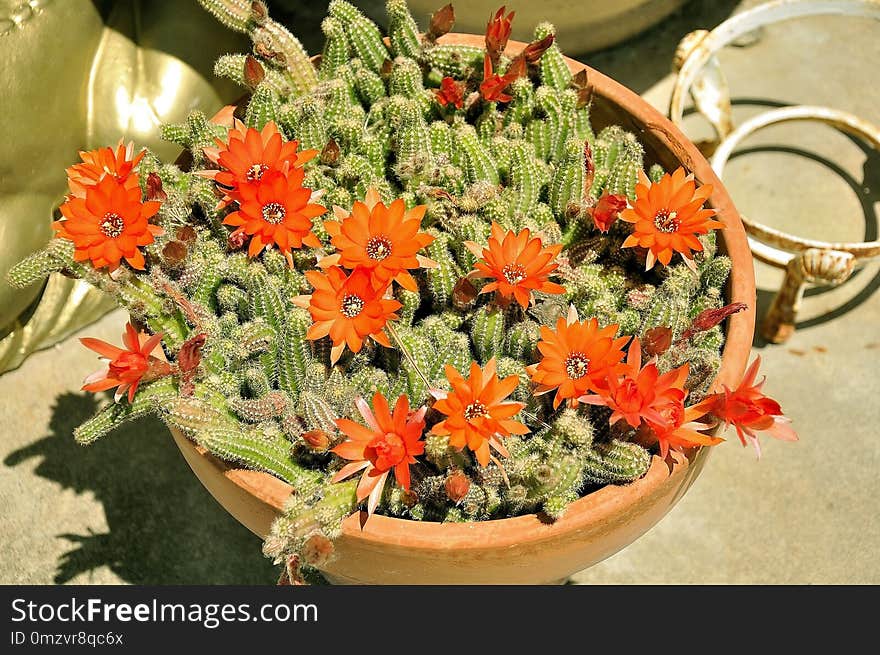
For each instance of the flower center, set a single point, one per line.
(352, 305)
(112, 225)
(514, 273)
(273, 213)
(378, 247)
(577, 365)
(475, 410)
(666, 221)
(386, 450)
(256, 171)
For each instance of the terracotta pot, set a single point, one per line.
(581, 26)
(523, 550)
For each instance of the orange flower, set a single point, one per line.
(641, 392)
(750, 411)
(103, 162)
(128, 367)
(577, 357)
(493, 85)
(678, 429)
(390, 441)
(668, 217)
(519, 264)
(450, 92)
(498, 33)
(382, 240)
(348, 308)
(248, 155)
(109, 223)
(275, 211)
(607, 210)
(477, 414)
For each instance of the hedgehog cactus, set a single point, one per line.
(371, 130)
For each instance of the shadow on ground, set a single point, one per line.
(868, 192)
(164, 528)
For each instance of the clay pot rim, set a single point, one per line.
(597, 506)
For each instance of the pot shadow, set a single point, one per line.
(164, 528)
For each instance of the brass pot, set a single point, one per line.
(75, 78)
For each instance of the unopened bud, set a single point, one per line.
(317, 440)
(457, 485)
(236, 240)
(253, 71)
(317, 550)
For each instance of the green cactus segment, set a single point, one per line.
(458, 61)
(617, 156)
(147, 400)
(233, 14)
(258, 453)
(616, 462)
(262, 108)
(442, 279)
(363, 35)
(487, 333)
(336, 50)
(478, 164)
(567, 185)
(403, 32)
(36, 267)
(554, 70)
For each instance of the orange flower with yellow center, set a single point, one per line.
(276, 211)
(382, 240)
(98, 164)
(477, 413)
(389, 442)
(348, 308)
(108, 224)
(519, 264)
(248, 154)
(668, 216)
(576, 357)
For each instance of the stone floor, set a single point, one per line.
(128, 510)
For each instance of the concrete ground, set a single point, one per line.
(128, 510)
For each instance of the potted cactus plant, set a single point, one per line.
(421, 309)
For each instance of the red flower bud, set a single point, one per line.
(463, 293)
(709, 318)
(330, 153)
(253, 71)
(589, 168)
(497, 34)
(174, 252)
(186, 234)
(606, 210)
(457, 486)
(441, 23)
(236, 240)
(317, 440)
(533, 52)
(580, 83)
(317, 550)
(657, 341)
(154, 188)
